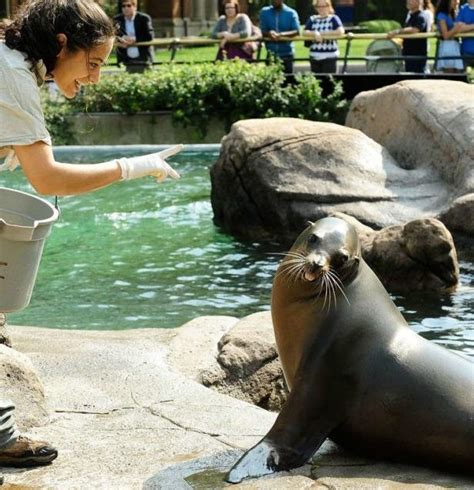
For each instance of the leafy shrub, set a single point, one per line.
(380, 26)
(230, 91)
(55, 111)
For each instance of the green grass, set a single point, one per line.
(208, 53)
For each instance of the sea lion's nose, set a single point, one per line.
(317, 260)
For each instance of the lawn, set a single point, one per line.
(208, 53)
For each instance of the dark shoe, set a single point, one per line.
(25, 453)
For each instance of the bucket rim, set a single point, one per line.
(55, 212)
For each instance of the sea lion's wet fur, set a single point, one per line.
(356, 372)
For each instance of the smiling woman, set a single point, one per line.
(66, 41)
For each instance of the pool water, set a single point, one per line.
(140, 254)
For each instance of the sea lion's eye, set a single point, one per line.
(342, 258)
(313, 238)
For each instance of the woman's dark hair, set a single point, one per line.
(444, 7)
(37, 23)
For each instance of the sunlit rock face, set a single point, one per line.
(408, 160)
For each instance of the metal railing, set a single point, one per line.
(177, 43)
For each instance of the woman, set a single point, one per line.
(445, 14)
(323, 54)
(66, 41)
(231, 26)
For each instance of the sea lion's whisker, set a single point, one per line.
(332, 289)
(339, 285)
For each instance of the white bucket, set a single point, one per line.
(25, 223)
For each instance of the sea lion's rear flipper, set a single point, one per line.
(306, 419)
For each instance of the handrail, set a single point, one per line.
(199, 41)
(174, 43)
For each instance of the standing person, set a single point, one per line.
(134, 27)
(429, 10)
(323, 54)
(229, 27)
(66, 41)
(465, 19)
(415, 23)
(276, 21)
(445, 14)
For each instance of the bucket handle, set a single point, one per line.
(24, 233)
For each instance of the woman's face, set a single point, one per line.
(82, 67)
(230, 10)
(322, 7)
(454, 4)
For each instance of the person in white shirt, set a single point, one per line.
(66, 41)
(134, 26)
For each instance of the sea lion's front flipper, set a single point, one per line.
(303, 424)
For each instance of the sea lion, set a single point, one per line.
(356, 372)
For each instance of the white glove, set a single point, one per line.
(152, 164)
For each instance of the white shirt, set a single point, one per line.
(130, 30)
(21, 117)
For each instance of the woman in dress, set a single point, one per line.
(231, 26)
(446, 11)
(323, 54)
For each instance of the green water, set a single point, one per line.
(140, 254)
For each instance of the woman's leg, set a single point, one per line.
(329, 65)
(16, 450)
(8, 429)
(316, 65)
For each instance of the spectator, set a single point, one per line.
(428, 10)
(134, 27)
(323, 54)
(465, 19)
(276, 21)
(415, 23)
(445, 14)
(231, 26)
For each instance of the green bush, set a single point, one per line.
(230, 90)
(380, 26)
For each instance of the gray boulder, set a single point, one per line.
(20, 383)
(274, 174)
(417, 256)
(426, 124)
(247, 365)
(414, 158)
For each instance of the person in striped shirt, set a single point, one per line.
(323, 54)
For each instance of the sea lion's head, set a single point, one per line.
(326, 255)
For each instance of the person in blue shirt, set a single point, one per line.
(448, 51)
(276, 21)
(465, 18)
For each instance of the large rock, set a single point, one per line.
(417, 256)
(425, 124)
(20, 383)
(247, 365)
(274, 174)
(414, 160)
